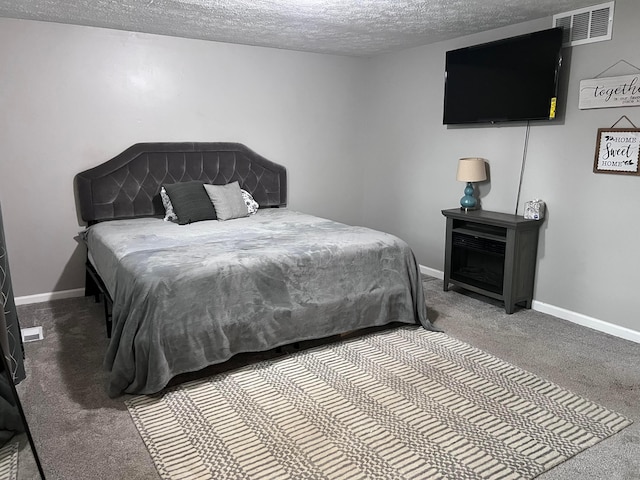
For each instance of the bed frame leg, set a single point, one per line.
(94, 286)
(108, 306)
(90, 286)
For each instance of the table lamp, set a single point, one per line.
(470, 170)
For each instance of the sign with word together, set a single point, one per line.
(606, 92)
(617, 151)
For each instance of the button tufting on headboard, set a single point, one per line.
(129, 184)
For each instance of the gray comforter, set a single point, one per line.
(185, 297)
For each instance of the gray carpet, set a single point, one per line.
(82, 434)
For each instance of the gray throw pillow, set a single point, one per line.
(227, 200)
(190, 202)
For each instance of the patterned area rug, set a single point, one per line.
(9, 461)
(398, 404)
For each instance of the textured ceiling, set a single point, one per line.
(346, 27)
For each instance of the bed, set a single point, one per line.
(184, 297)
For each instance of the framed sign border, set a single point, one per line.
(633, 131)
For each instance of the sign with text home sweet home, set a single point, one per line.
(617, 151)
(623, 91)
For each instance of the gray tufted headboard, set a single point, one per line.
(129, 184)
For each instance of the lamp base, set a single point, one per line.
(467, 209)
(468, 202)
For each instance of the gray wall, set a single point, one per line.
(588, 254)
(72, 97)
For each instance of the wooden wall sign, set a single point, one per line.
(617, 151)
(623, 91)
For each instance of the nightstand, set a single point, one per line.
(491, 253)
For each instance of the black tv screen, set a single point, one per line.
(514, 79)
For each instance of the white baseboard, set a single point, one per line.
(586, 321)
(45, 297)
(564, 314)
(432, 272)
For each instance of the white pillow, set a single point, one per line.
(252, 205)
(169, 214)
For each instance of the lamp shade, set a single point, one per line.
(471, 170)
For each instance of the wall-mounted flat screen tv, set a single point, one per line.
(514, 79)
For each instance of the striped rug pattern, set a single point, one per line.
(398, 404)
(9, 461)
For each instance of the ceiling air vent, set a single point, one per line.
(586, 25)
